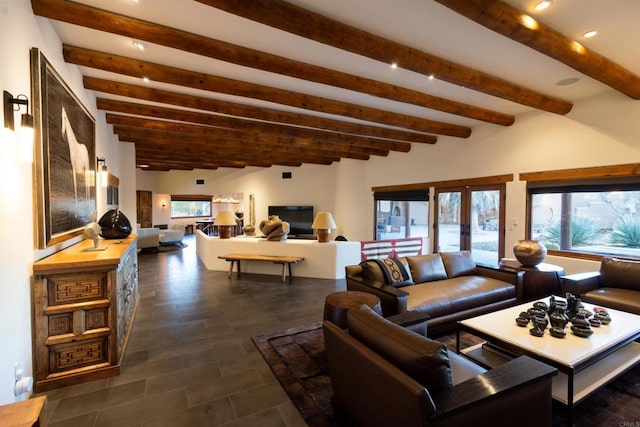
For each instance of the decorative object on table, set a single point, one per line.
(539, 325)
(581, 331)
(557, 332)
(115, 225)
(558, 318)
(250, 228)
(323, 223)
(573, 304)
(522, 321)
(225, 221)
(92, 231)
(274, 228)
(541, 305)
(65, 153)
(529, 252)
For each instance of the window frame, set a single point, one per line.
(596, 179)
(400, 195)
(191, 198)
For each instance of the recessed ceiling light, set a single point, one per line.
(394, 65)
(145, 79)
(431, 77)
(529, 22)
(138, 45)
(589, 34)
(543, 5)
(567, 82)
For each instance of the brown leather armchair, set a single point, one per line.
(616, 285)
(369, 389)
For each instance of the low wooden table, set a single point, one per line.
(286, 261)
(27, 413)
(540, 280)
(585, 364)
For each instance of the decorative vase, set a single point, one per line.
(558, 318)
(529, 252)
(114, 225)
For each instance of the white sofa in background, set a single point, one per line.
(321, 260)
(148, 238)
(175, 235)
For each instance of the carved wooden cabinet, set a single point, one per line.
(84, 302)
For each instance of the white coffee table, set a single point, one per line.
(584, 364)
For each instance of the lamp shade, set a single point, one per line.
(323, 221)
(225, 218)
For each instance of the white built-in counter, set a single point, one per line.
(321, 260)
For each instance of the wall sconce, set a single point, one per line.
(324, 223)
(11, 104)
(164, 204)
(104, 173)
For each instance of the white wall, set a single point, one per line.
(20, 30)
(604, 130)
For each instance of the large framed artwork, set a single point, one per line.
(64, 175)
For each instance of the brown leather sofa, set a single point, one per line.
(447, 286)
(384, 375)
(616, 285)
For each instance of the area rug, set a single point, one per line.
(297, 358)
(164, 248)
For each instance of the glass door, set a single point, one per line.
(471, 218)
(449, 235)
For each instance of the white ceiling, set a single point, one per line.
(422, 24)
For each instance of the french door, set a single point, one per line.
(471, 218)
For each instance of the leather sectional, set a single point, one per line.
(447, 286)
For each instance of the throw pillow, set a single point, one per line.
(421, 358)
(459, 263)
(426, 268)
(372, 270)
(394, 271)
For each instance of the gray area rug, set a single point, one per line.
(297, 358)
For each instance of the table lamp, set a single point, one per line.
(225, 221)
(323, 223)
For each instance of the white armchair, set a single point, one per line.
(173, 236)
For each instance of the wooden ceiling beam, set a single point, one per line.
(98, 19)
(257, 113)
(173, 75)
(509, 22)
(177, 141)
(241, 139)
(252, 127)
(220, 158)
(305, 23)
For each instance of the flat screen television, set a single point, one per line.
(299, 218)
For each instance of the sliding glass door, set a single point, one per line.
(472, 218)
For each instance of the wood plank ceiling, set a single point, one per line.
(186, 114)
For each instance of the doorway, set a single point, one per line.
(144, 211)
(471, 218)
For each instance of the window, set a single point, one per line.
(401, 214)
(190, 206)
(471, 217)
(589, 217)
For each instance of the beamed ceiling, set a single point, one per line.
(236, 83)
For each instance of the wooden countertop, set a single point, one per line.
(78, 255)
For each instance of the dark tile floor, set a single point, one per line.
(190, 359)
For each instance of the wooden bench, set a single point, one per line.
(286, 261)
